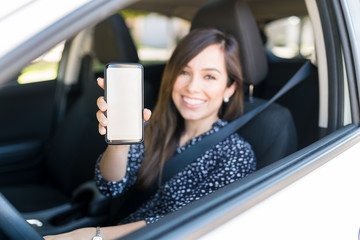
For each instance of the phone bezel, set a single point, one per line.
(125, 65)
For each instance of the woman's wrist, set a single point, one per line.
(78, 234)
(113, 163)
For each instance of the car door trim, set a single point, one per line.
(222, 205)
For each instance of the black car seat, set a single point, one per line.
(272, 134)
(113, 42)
(76, 144)
(108, 35)
(302, 100)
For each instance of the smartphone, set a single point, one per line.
(124, 95)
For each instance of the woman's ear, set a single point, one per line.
(229, 91)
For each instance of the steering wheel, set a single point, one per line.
(12, 224)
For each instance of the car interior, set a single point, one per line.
(52, 178)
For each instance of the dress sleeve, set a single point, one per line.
(116, 189)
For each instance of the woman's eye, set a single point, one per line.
(210, 77)
(183, 72)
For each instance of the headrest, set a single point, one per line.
(234, 17)
(113, 42)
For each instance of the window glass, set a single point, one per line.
(155, 35)
(347, 119)
(43, 68)
(290, 37)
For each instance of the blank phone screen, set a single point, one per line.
(124, 96)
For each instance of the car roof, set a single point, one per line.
(35, 15)
(187, 8)
(33, 27)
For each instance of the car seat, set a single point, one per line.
(272, 133)
(76, 144)
(107, 48)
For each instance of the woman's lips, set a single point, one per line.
(192, 102)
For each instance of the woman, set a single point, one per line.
(201, 91)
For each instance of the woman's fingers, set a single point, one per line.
(102, 129)
(101, 103)
(147, 114)
(100, 82)
(102, 118)
(103, 122)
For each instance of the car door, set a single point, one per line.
(311, 194)
(27, 104)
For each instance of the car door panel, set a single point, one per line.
(25, 126)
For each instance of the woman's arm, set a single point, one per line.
(113, 232)
(114, 159)
(113, 162)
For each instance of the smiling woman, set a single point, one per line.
(201, 88)
(176, 121)
(203, 71)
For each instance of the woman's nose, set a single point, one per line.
(194, 84)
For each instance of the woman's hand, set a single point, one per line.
(113, 161)
(100, 115)
(113, 232)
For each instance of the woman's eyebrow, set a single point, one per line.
(212, 69)
(206, 69)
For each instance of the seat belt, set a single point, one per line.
(180, 161)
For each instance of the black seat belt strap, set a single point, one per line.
(180, 161)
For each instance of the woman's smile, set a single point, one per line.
(192, 102)
(201, 86)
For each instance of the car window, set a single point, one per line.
(290, 37)
(155, 35)
(347, 116)
(43, 68)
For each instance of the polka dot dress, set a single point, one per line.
(226, 162)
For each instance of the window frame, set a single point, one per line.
(217, 208)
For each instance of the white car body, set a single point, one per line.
(311, 194)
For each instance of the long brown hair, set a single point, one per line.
(165, 126)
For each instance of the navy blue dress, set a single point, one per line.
(226, 162)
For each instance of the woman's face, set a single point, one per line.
(200, 89)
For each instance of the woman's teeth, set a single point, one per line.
(193, 101)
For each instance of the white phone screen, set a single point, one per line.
(124, 96)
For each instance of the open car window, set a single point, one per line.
(290, 37)
(155, 35)
(317, 177)
(43, 68)
(305, 183)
